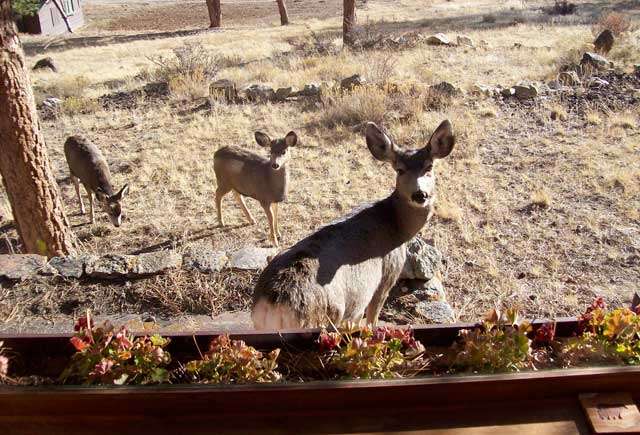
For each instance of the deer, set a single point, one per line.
(345, 270)
(89, 167)
(254, 176)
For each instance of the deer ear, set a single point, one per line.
(291, 139)
(263, 139)
(441, 142)
(121, 194)
(379, 143)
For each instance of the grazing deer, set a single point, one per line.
(89, 167)
(249, 174)
(345, 270)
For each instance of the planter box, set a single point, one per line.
(541, 401)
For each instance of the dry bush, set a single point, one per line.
(68, 86)
(79, 105)
(593, 118)
(617, 22)
(188, 70)
(380, 68)
(540, 198)
(362, 104)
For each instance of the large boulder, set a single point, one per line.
(604, 42)
(204, 259)
(423, 260)
(19, 267)
(594, 60)
(251, 258)
(569, 78)
(525, 92)
(259, 93)
(438, 39)
(431, 290)
(225, 88)
(446, 88)
(465, 41)
(434, 312)
(45, 63)
(351, 82)
(114, 266)
(71, 267)
(310, 90)
(283, 93)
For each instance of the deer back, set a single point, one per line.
(87, 163)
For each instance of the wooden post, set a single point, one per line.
(24, 163)
(349, 22)
(214, 12)
(282, 8)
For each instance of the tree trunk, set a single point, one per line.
(349, 22)
(24, 164)
(214, 12)
(282, 8)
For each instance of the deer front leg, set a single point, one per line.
(269, 213)
(243, 205)
(76, 183)
(220, 193)
(90, 194)
(276, 217)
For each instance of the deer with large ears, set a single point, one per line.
(248, 174)
(344, 270)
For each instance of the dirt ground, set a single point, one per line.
(539, 205)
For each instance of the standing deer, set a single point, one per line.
(89, 167)
(249, 174)
(345, 270)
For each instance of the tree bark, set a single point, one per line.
(24, 164)
(349, 22)
(282, 8)
(215, 12)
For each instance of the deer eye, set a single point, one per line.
(400, 171)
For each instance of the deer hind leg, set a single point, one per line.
(243, 205)
(267, 209)
(76, 183)
(220, 193)
(90, 195)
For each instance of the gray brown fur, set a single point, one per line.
(249, 174)
(344, 271)
(89, 167)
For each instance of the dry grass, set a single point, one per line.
(550, 259)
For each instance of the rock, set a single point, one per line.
(465, 41)
(23, 266)
(525, 92)
(431, 290)
(597, 82)
(115, 266)
(438, 39)
(507, 92)
(604, 42)
(423, 260)
(484, 90)
(259, 93)
(251, 258)
(569, 78)
(224, 88)
(446, 88)
(51, 107)
(351, 82)
(70, 267)
(434, 312)
(595, 60)
(554, 85)
(283, 93)
(310, 90)
(45, 63)
(204, 260)
(154, 263)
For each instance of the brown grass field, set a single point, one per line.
(533, 212)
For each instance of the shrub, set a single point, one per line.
(25, 7)
(617, 22)
(361, 104)
(106, 356)
(233, 362)
(69, 86)
(562, 7)
(79, 105)
(364, 353)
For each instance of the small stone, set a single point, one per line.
(45, 63)
(351, 82)
(259, 93)
(434, 312)
(69, 267)
(23, 266)
(569, 78)
(525, 92)
(205, 260)
(508, 92)
(465, 41)
(438, 39)
(604, 42)
(595, 60)
(224, 88)
(597, 82)
(283, 93)
(446, 88)
(431, 290)
(554, 85)
(423, 260)
(251, 258)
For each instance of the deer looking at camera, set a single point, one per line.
(249, 174)
(89, 167)
(345, 270)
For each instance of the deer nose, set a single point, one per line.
(420, 197)
(275, 166)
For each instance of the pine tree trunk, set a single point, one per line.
(214, 12)
(282, 8)
(24, 164)
(349, 22)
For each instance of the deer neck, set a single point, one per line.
(279, 179)
(409, 219)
